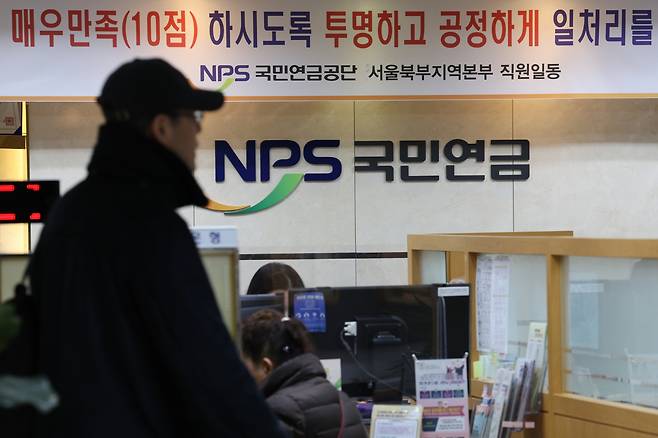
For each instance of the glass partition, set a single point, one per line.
(611, 349)
(516, 297)
(433, 267)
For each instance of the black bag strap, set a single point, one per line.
(341, 429)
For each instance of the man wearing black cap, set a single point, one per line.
(130, 334)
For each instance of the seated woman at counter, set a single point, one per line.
(277, 352)
(272, 277)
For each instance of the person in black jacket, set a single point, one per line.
(130, 334)
(277, 352)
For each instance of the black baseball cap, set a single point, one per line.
(146, 87)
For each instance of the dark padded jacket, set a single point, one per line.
(308, 404)
(131, 336)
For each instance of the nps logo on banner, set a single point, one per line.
(263, 161)
(341, 48)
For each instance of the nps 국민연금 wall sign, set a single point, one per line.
(337, 48)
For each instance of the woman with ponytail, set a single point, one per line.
(277, 352)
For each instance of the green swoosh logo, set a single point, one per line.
(227, 83)
(283, 189)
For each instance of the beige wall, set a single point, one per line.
(592, 170)
(13, 167)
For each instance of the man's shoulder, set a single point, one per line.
(93, 208)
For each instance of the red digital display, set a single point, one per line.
(27, 201)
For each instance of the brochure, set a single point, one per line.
(500, 394)
(393, 421)
(528, 369)
(537, 351)
(442, 390)
(519, 393)
(482, 415)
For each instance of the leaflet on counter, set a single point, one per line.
(393, 421)
(442, 390)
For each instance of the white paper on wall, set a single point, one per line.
(493, 284)
(483, 296)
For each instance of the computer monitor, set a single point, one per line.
(221, 265)
(250, 304)
(374, 331)
(454, 310)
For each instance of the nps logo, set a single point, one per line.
(288, 182)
